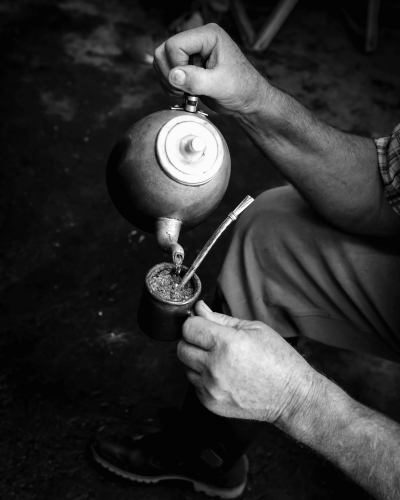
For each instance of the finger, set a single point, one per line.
(161, 61)
(200, 40)
(204, 333)
(168, 89)
(191, 356)
(197, 331)
(195, 379)
(197, 81)
(205, 312)
(157, 69)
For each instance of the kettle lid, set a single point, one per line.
(189, 149)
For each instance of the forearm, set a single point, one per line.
(364, 444)
(336, 172)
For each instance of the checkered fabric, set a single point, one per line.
(388, 149)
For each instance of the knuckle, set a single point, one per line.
(195, 321)
(193, 379)
(159, 52)
(212, 388)
(170, 45)
(259, 324)
(187, 327)
(212, 376)
(214, 27)
(214, 393)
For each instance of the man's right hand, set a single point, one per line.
(229, 84)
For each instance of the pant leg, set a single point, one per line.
(289, 268)
(221, 441)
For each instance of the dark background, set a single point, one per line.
(72, 357)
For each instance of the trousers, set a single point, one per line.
(289, 268)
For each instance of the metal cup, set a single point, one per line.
(160, 318)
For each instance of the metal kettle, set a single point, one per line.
(168, 172)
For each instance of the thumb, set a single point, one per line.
(195, 81)
(205, 312)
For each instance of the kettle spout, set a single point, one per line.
(167, 234)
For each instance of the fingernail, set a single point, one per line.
(178, 77)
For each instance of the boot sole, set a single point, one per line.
(198, 486)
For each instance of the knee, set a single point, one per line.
(274, 214)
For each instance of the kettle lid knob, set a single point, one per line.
(197, 144)
(189, 149)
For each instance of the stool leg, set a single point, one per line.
(243, 22)
(274, 22)
(371, 38)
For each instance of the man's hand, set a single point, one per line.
(244, 369)
(229, 84)
(336, 173)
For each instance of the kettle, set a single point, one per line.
(168, 172)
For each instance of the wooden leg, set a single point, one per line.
(274, 22)
(371, 38)
(243, 22)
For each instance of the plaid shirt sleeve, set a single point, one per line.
(388, 149)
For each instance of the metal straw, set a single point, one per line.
(207, 247)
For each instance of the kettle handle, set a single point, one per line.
(190, 101)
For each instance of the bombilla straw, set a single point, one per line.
(207, 247)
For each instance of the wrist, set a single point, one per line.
(319, 411)
(265, 117)
(305, 399)
(257, 97)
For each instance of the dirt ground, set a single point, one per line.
(72, 357)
